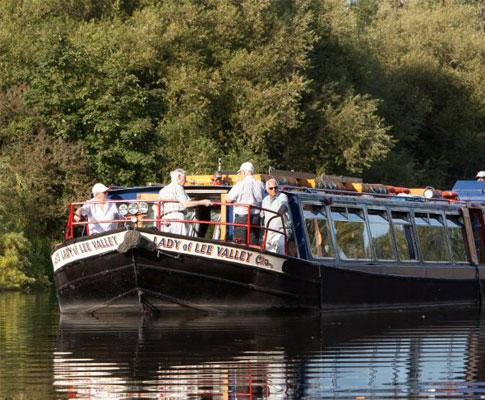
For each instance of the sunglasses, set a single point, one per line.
(273, 188)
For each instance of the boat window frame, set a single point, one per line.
(416, 248)
(387, 212)
(418, 241)
(448, 237)
(324, 206)
(363, 208)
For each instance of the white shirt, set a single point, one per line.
(173, 191)
(100, 212)
(274, 204)
(248, 191)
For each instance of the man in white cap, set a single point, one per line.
(480, 176)
(250, 192)
(177, 203)
(273, 221)
(99, 212)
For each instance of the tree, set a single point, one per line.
(430, 59)
(14, 261)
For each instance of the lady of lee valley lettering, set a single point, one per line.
(205, 249)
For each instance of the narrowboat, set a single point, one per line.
(349, 246)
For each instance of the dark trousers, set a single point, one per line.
(241, 234)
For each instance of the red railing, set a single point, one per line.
(157, 207)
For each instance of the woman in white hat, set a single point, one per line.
(98, 211)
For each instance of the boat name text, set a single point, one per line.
(211, 250)
(91, 247)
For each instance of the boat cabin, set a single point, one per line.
(331, 219)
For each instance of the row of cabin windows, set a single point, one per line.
(384, 235)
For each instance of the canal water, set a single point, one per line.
(425, 354)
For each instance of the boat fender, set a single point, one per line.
(134, 240)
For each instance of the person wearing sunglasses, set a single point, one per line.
(277, 204)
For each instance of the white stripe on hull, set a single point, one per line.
(214, 251)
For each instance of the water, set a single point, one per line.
(395, 355)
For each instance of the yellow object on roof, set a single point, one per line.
(231, 179)
(417, 191)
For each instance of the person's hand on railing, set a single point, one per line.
(206, 202)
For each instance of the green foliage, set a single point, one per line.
(357, 134)
(175, 83)
(365, 12)
(14, 261)
(430, 64)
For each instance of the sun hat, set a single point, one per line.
(480, 174)
(99, 188)
(247, 167)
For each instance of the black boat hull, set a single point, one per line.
(159, 279)
(163, 275)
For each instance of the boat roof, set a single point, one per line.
(404, 202)
(325, 187)
(470, 190)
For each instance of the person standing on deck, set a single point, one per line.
(178, 202)
(247, 191)
(278, 203)
(480, 176)
(98, 210)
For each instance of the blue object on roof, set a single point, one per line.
(470, 190)
(131, 193)
(408, 198)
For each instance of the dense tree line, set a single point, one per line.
(122, 91)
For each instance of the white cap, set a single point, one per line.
(247, 167)
(99, 188)
(480, 174)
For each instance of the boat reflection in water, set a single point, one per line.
(399, 355)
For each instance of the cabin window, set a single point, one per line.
(351, 233)
(380, 230)
(318, 231)
(457, 236)
(403, 232)
(431, 234)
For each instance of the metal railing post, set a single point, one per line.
(285, 232)
(70, 228)
(159, 215)
(248, 235)
(71, 219)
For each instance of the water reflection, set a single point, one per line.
(28, 329)
(398, 355)
(432, 354)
